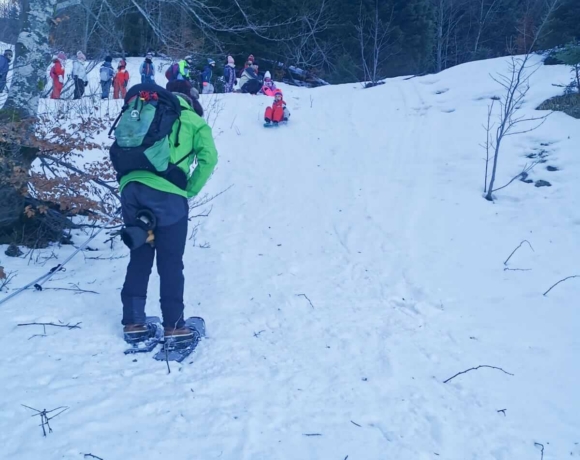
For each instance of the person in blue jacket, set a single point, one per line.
(206, 77)
(4, 67)
(147, 69)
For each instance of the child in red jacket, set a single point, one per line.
(278, 112)
(57, 75)
(120, 81)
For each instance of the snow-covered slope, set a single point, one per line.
(352, 269)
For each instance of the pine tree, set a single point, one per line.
(570, 55)
(564, 25)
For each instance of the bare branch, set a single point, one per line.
(475, 368)
(306, 297)
(519, 246)
(561, 281)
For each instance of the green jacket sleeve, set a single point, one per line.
(207, 158)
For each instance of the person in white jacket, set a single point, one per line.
(79, 74)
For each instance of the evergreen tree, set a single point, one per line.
(563, 26)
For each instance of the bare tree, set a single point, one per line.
(376, 41)
(448, 14)
(516, 85)
(486, 12)
(304, 47)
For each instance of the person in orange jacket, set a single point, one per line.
(120, 81)
(278, 112)
(57, 75)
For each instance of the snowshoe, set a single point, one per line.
(178, 347)
(148, 339)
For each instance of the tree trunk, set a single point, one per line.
(17, 151)
(440, 19)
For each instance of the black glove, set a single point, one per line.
(86, 83)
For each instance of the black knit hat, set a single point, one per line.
(108, 59)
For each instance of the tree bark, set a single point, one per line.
(17, 117)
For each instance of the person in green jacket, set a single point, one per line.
(169, 205)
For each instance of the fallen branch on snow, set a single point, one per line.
(306, 297)
(44, 418)
(541, 446)
(474, 369)
(561, 281)
(68, 326)
(92, 456)
(514, 251)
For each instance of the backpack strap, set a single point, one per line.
(182, 159)
(177, 135)
(116, 122)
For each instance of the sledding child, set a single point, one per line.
(278, 112)
(120, 81)
(268, 87)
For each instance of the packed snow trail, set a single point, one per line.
(352, 268)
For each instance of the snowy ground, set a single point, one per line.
(370, 204)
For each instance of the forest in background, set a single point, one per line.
(337, 40)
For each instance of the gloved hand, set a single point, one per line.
(60, 79)
(86, 84)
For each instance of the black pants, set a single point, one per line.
(252, 87)
(79, 88)
(170, 238)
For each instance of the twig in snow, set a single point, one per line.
(311, 101)
(6, 278)
(106, 258)
(257, 334)
(312, 434)
(561, 281)
(506, 269)
(537, 444)
(167, 358)
(92, 456)
(44, 418)
(76, 289)
(68, 325)
(525, 171)
(514, 251)
(502, 411)
(474, 369)
(354, 423)
(306, 297)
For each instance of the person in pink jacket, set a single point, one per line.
(268, 87)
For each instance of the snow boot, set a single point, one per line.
(178, 337)
(178, 344)
(135, 333)
(143, 338)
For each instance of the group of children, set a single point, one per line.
(249, 80)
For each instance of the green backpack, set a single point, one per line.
(142, 132)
